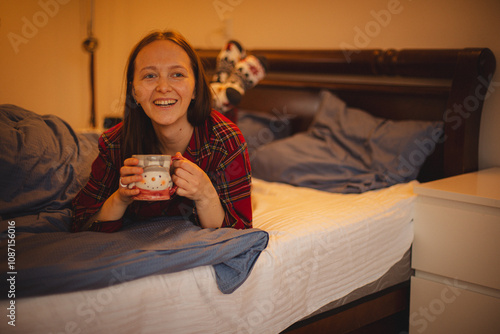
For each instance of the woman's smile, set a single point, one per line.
(164, 83)
(165, 102)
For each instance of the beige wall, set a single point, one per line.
(42, 65)
(45, 69)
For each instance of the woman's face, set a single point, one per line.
(164, 83)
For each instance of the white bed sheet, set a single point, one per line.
(322, 246)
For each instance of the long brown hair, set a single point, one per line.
(139, 136)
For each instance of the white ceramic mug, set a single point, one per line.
(156, 184)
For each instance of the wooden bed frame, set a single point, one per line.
(448, 85)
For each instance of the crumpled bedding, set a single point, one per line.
(58, 262)
(348, 150)
(43, 165)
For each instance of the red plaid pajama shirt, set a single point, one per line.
(218, 148)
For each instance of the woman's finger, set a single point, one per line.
(131, 162)
(130, 174)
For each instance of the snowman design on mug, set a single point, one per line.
(156, 184)
(155, 178)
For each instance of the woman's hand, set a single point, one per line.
(129, 173)
(193, 183)
(191, 180)
(116, 205)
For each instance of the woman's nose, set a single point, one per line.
(163, 85)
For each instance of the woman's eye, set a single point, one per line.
(178, 75)
(149, 76)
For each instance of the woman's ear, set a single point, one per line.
(134, 96)
(132, 90)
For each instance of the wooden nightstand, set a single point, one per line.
(456, 255)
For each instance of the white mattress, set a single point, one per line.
(322, 246)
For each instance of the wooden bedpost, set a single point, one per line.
(469, 90)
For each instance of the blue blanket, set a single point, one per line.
(57, 262)
(43, 164)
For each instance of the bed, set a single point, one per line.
(328, 253)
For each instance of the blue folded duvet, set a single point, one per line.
(58, 262)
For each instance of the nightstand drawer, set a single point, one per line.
(440, 308)
(458, 240)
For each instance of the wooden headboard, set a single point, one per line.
(421, 84)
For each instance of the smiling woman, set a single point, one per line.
(164, 86)
(168, 111)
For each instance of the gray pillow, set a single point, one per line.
(259, 128)
(347, 150)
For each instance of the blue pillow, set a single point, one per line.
(348, 150)
(261, 128)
